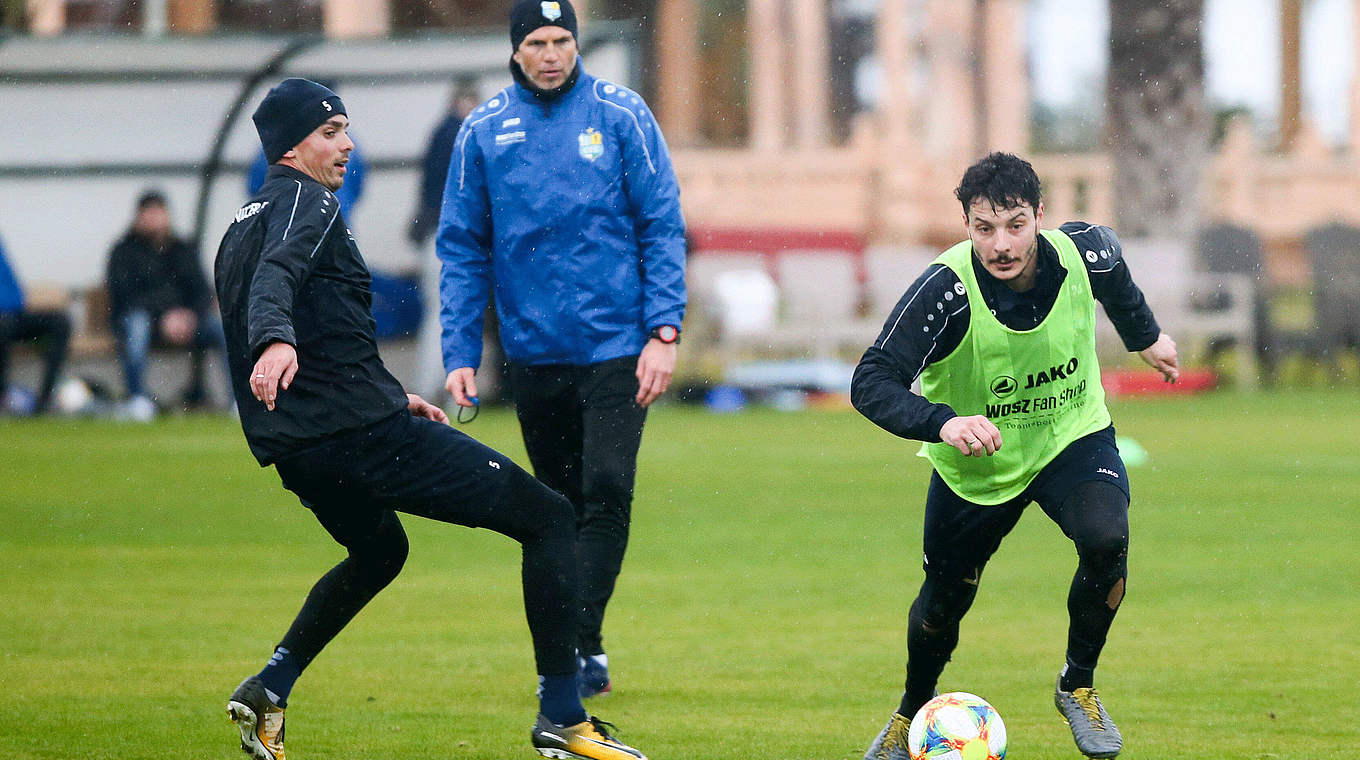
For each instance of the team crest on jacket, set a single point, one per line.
(592, 144)
(551, 11)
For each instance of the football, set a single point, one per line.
(957, 726)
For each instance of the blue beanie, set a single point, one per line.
(529, 15)
(290, 111)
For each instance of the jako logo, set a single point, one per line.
(250, 210)
(1056, 372)
(1004, 386)
(326, 105)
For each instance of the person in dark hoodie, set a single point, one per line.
(434, 167)
(317, 403)
(428, 376)
(159, 295)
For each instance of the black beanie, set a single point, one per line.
(529, 15)
(290, 111)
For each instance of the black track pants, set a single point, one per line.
(357, 483)
(582, 428)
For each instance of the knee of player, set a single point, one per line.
(393, 563)
(1104, 536)
(943, 602)
(612, 490)
(384, 556)
(397, 553)
(1104, 547)
(551, 510)
(557, 511)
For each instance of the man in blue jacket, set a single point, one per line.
(561, 198)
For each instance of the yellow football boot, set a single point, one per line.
(589, 740)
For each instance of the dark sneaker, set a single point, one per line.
(260, 720)
(891, 743)
(1095, 734)
(590, 740)
(593, 677)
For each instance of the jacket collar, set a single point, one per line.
(528, 93)
(279, 170)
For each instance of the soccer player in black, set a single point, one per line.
(318, 404)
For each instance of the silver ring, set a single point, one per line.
(259, 376)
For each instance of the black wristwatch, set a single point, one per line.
(665, 333)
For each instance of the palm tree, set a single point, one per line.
(1158, 122)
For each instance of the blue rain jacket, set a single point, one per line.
(571, 211)
(11, 294)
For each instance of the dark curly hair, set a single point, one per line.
(1004, 179)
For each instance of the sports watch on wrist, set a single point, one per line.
(665, 333)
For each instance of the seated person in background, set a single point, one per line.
(157, 291)
(51, 328)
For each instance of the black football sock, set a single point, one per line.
(1074, 678)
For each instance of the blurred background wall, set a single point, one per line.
(838, 126)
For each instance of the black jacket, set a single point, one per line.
(156, 279)
(931, 318)
(289, 270)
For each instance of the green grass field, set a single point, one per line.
(761, 613)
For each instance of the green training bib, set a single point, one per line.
(1040, 387)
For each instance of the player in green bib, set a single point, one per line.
(1000, 332)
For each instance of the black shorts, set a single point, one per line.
(960, 536)
(402, 464)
